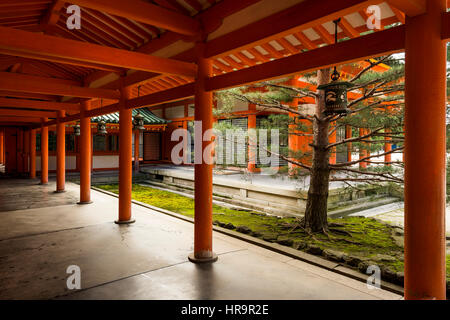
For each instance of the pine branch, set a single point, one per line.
(388, 176)
(332, 145)
(345, 164)
(372, 64)
(364, 180)
(305, 94)
(276, 105)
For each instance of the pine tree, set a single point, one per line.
(378, 111)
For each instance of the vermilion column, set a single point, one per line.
(1, 146)
(425, 147)
(387, 145)
(348, 135)
(251, 125)
(332, 139)
(203, 164)
(20, 153)
(294, 141)
(44, 152)
(125, 159)
(26, 150)
(32, 153)
(387, 148)
(85, 154)
(136, 150)
(60, 153)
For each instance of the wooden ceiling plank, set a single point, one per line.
(374, 44)
(301, 16)
(146, 13)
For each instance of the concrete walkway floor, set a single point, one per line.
(145, 260)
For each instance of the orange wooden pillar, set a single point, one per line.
(332, 139)
(32, 153)
(293, 141)
(4, 147)
(137, 133)
(251, 126)
(1, 146)
(203, 174)
(60, 153)
(387, 145)
(44, 152)
(348, 135)
(125, 158)
(387, 148)
(425, 153)
(85, 154)
(26, 150)
(20, 153)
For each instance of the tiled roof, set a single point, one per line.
(149, 117)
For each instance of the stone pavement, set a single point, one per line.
(144, 260)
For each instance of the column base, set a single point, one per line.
(125, 221)
(212, 259)
(42, 183)
(59, 191)
(84, 202)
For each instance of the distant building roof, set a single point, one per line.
(149, 117)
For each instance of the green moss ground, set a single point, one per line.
(360, 237)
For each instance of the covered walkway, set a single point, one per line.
(145, 260)
(53, 75)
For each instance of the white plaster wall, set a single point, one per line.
(157, 112)
(71, 163)
(175, 112)
(108, 161)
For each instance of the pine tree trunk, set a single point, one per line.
(316, 206)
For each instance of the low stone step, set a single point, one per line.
(345, 211)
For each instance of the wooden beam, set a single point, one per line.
(26, 95)
(35, 104)
(324, 34)
(26, 83)
(33, 55)
(52, 15)
(19, 120)
(145, 12)
(302, 16)
(37, 46)
(410, 7)
(219, 11)
(348, 28)
(400, 15)
(26, 113)
(169, 95)
(174, 94)
(374, 44)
